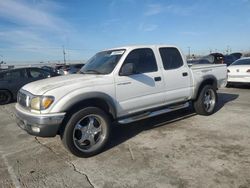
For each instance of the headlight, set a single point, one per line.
(35, 103)
(41, 102)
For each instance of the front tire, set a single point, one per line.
(206, 102)
(87, 132)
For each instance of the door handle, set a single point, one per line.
(157, 79)
(184, 74)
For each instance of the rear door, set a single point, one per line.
(144, 88)
(176, 75)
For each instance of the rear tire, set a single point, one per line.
(206, 102)
(87, 132)
(5, 97)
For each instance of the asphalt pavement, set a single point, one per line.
(179, 149)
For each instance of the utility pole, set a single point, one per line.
(228, 49)
(1, 62)
(64, 59)
(189, 55)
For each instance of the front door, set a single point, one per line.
(144, 88)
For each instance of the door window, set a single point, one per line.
(171, 58)
(35, 73)
(12, 75)
(143, 60)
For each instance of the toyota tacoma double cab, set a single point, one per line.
(120, 85)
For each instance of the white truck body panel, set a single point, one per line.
(200, 72)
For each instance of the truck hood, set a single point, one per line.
(42, 86)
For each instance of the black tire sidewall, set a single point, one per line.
(8, 95)
(67, 135)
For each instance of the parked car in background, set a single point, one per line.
(12, 80)
(229, 59)
(218, 58)
(239, 71)
(202, 60)
(198, 61)
(2, 70)
(70, 69)
(49, 68)
(237, 55)
(58, 67)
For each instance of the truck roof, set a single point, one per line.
(140, 46)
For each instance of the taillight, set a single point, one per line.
(248, 70)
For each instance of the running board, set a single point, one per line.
(152, 114)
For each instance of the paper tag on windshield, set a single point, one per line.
(120, 52)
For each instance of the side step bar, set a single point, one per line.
(152, 114)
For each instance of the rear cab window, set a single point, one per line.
(171, 58)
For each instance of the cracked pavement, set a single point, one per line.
(179, 149)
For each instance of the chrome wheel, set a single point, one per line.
(89, 132)
(209, 100)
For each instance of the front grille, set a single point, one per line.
(22, 99)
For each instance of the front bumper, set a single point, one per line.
(43, 125)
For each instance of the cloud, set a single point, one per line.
(108, 24)
(29, 26)
(24, 14)
(23, 39)
(155, 9)
(147, 27)
(190, 33)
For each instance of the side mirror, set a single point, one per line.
(127, 69)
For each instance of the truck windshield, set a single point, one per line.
(103, 62)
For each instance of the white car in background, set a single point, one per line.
(239, 71)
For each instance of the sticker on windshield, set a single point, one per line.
(120, 52)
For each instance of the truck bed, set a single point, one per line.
(202, 71)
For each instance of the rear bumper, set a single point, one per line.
(239, 79)
(43, 125)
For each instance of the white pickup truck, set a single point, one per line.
(121, 85)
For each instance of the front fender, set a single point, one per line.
(72, 99)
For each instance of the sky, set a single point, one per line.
(37, 30)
